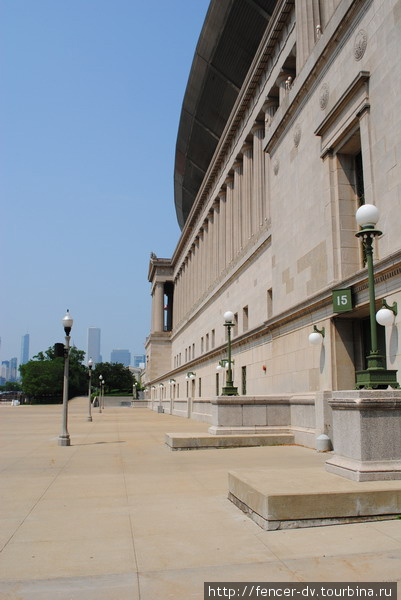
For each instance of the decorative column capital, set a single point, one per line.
(222, 194)
(237, 166)
(247, 149)
(229, 181)
(270, 106)
(258, 129)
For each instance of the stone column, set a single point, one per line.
(216, 226)
(269, 108)
(201, 260)
(258, 131)
(229, 219)
(247, 203)
(366, 434)
(210, 247)
(158, 305)
(175, 303)
(237, 208)
(307, 16)
(196, 269)
(180, 310)
(191, 277)
(205, 254)
(222, 232)
(184, 288)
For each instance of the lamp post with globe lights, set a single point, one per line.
(100, 392)
(90, 365)
(103, 385)
(64, 437)
(229, 389)
(375, 375)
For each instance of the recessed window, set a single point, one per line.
(245, 318)
(269, 303)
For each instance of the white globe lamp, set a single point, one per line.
(367, 215)
(385, 317)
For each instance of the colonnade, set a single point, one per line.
(239, 211)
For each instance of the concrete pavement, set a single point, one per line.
(118, 515)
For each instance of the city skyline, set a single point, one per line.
(8, 357)
(78, 125)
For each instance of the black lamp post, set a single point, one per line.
(100, 392)
(90, 365)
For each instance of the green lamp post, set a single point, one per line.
(229, 389)
(375, 375)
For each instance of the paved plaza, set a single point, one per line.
(118, 516)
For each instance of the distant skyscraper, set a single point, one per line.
(24, 349)
(121, 356)
(13, 369)
(94, 345)
(138, 361)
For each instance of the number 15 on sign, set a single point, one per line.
(342, 300)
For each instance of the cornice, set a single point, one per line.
(385, 270)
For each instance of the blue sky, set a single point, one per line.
(91, 94)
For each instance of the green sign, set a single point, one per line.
(342, 300)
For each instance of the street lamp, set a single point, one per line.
(100, 392)
(386, 315)
(90, 365)
(317, 336)
(103, 384)
(229, 389)
(134, 390)
(64, 437)
(375, 375)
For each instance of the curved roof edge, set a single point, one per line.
(226, 47)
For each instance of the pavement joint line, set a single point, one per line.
(130, 517)
(41, 496)
(259, 536)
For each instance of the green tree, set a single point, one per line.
(117, 377)
(11, 386)
(43, 376)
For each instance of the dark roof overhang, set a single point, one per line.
(227, 45)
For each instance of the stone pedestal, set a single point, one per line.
(366, 435)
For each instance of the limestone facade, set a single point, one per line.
(315, 132)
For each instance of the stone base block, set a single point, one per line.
(200, 441)
(366, 434)
(139, 403)
(364, 471)
(283, 498)
(250, 430)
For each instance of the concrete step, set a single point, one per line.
(200, 441)
(294, 498)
